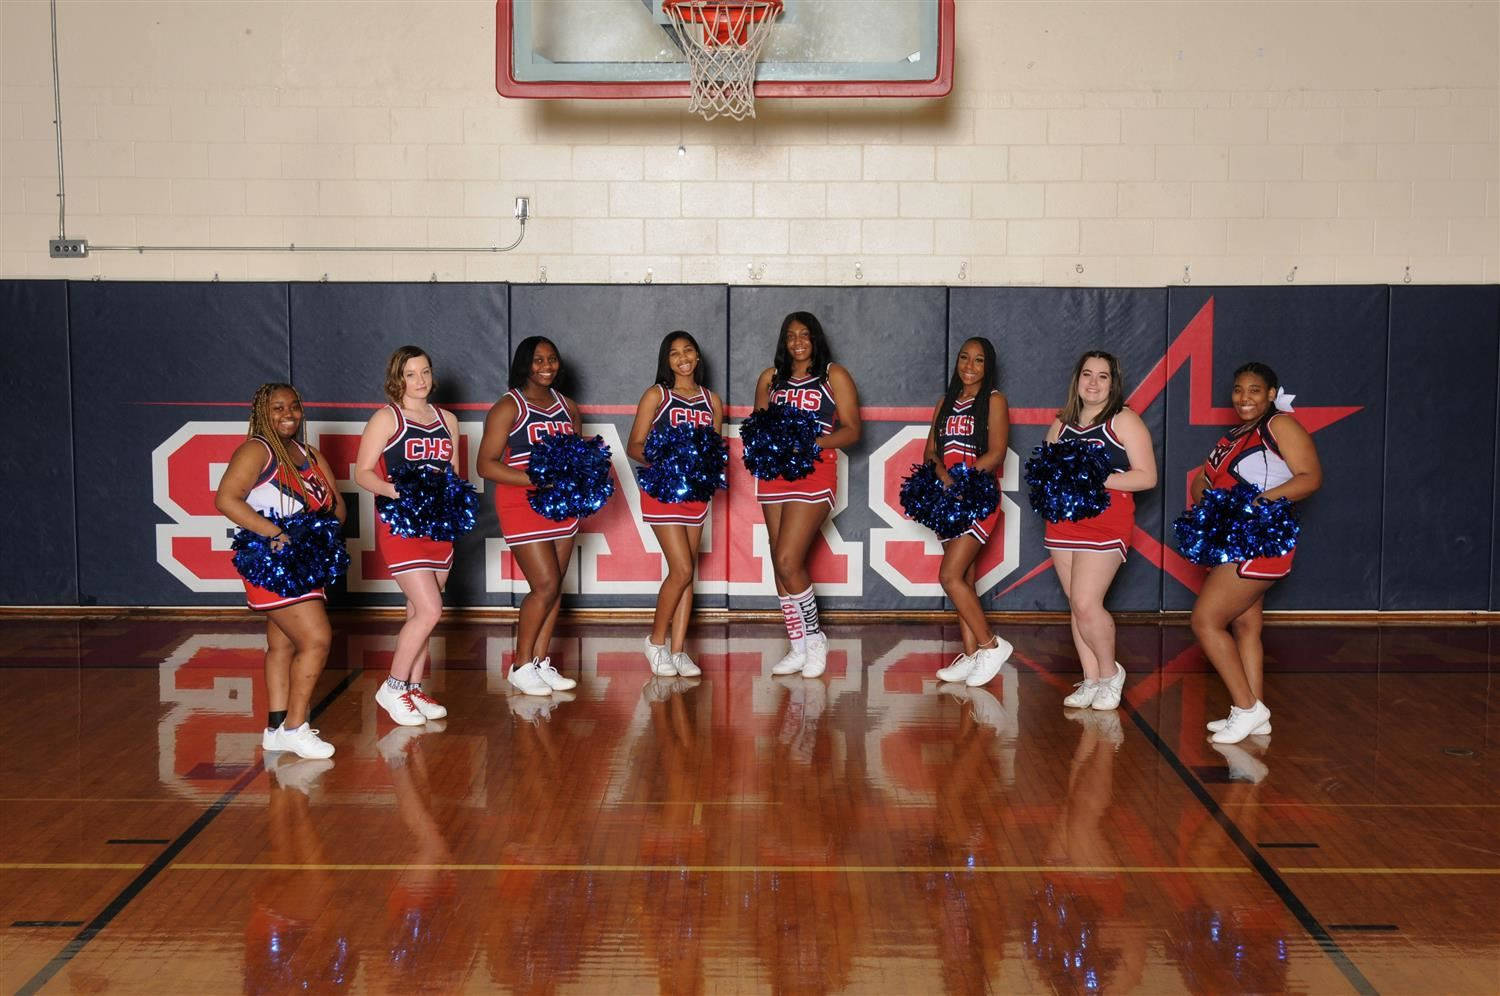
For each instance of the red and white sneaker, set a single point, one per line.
(429, 707)
(398, 705)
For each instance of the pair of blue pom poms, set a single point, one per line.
(312, 556)
(572, 476)
(780, 442)
(1067, 480)
(687, 463)
(949, 510)
(1228, 526)
(437, 504)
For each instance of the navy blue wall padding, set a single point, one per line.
(359, 325)
(892, 340)
(608, 336)
(146, 358)
(38, 554)
(1039, 334)
(1328, 346)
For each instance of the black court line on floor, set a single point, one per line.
(46, 923)
(1373, 927)
(1277, 884)
(1286, 843)
(167, 856)
(138, 840)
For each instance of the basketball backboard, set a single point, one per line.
(818, 48)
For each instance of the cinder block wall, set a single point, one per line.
(1091, 144)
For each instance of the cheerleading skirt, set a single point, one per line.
(682, 513)
(982, 529)
(1266, 568)
(1107, 532)
(519, 522)
(817, 487)
(411, 553)
(261, 600)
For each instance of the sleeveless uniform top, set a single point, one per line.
(274, 494)
(429, 446)
(675, 410)
(957, 437)
(810, 394)
(532, 423)
(1247, 455)
(1100, 434)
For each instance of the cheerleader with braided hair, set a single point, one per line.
(275, 472)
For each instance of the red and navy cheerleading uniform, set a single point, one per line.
(673, 410)
(1109, 531)
(958, 442)
(519, 522)
(814, 395)
(429, 446)
(1249, 454)
(274, 494)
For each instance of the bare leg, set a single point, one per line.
(1062, 562)
(563, 550)
(772, 514)
(684, 613)
(1089, 579)
(959, 555)
(538, 563)
(679, 554)
(798, 527)
(305, 624)
(424, 606)
(1246, 629)
(1226, 596)
(970, 641)
(279, 652)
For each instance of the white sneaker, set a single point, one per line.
(1108, 696)
(554, 678)
(1083, 694)
(793, 662)
(398, 705)
(817, 656)
(1242, 723)
(268, 740)
(988, 662)
(527, 680)
(685, 666)
(429, 707)
(961, 668)
(660, 660)
(300, 773)
(303, 741)
(1215, 725)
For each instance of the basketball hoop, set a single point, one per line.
(723, 41)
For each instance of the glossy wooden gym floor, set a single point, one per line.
(864, 832)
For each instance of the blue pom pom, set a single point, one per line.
(313, 555)
(572, 476)
(780, 442)
(433, 504)
(1228, 526)
(949, 511)
(1067, 480)
(688, 463)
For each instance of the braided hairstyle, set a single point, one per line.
(261, 428)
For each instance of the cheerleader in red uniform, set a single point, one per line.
(678, 397)
(1273, 452)
(803, 375)
(409, 430)
(531, 409)
(1087, 553)
(970, 425)
(275, 472)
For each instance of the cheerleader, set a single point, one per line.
(1271, 451)
(803, 375)
(678, 397)
(531, 409)
(409, 430)
(275, 472)
(1086, 554)
(970, 425)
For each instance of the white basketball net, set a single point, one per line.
(723, 42)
